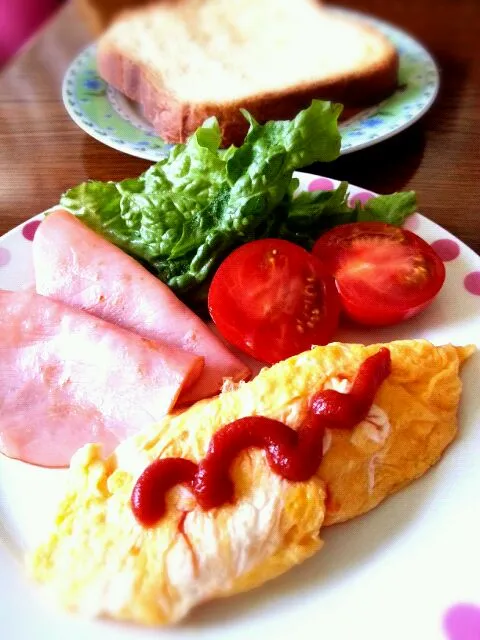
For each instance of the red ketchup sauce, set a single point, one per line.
(293, 455)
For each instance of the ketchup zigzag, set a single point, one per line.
(292, 454)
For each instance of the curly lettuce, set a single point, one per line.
(186, 212)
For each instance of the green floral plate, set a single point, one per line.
(110, 117)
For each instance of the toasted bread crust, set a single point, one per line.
(174, 120)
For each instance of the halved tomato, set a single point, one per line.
(384, 274)
(272, 299)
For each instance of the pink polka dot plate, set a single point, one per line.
(410, 569)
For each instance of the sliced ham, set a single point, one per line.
(77, 266)
(68, 378)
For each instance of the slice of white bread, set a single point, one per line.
(185, 60)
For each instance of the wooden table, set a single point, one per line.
(42, 152)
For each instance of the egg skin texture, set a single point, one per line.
(100, 561)
(413, 420)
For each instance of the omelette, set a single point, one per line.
(100, 561)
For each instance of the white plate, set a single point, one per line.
(397, 573)
(108, 116)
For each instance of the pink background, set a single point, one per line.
(19, 19)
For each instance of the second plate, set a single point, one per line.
(110, 117)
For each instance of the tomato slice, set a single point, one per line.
(272, 299)
(384, 274)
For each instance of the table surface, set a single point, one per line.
(42, 152)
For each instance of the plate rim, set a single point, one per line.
(426, 53)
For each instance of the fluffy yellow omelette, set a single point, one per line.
(100, 561)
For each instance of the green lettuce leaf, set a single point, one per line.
(312, 136)
(393, 208)
(312, 213)
(187, 212)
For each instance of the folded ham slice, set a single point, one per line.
(68, 378)
(77, 266)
